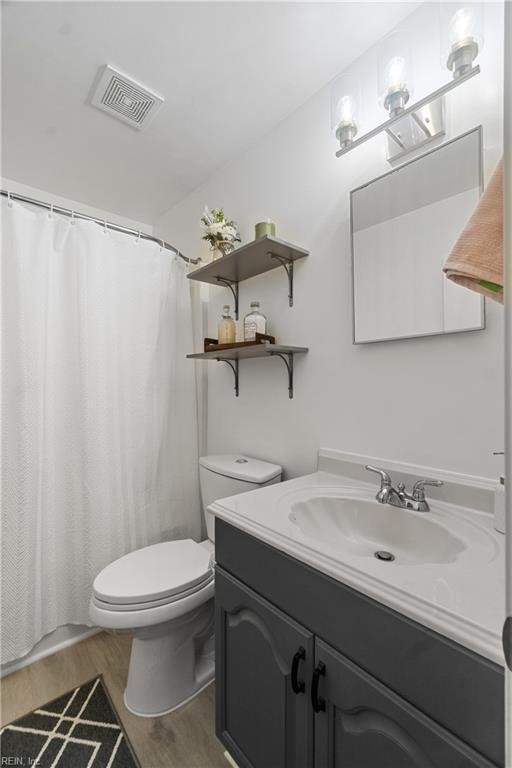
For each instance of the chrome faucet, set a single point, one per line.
(398, 497)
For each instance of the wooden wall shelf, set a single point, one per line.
(235, 354)
(249, 260)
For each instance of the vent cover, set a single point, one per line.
(124, 98)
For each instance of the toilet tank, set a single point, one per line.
(227, 475)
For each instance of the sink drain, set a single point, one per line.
(381, 554)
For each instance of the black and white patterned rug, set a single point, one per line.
(78, 730)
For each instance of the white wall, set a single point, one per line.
(52, 196)
(434, 401)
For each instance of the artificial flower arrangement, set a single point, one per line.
(219, 232)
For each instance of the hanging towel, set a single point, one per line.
(476, 260)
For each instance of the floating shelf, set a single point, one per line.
(249, 260)
(416, 115)
(234, 355)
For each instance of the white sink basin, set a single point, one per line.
(365, 527)
(448, 572)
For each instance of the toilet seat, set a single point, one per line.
(154, 575)
(153, 585)
(110, 616)
(151, 603)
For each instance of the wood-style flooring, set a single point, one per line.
(183, 739)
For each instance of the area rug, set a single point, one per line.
(80, 729)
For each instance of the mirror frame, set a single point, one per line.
(479, 132)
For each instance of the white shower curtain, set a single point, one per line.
(99, 417)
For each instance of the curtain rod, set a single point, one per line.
(101, 222)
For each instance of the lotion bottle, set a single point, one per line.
(226, 329)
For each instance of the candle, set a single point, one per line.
(266, 227)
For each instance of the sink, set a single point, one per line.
(365, 527)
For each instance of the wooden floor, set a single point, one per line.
(184, 739)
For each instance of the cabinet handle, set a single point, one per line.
(299, 686)
(317, 701)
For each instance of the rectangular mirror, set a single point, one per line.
(403, 227)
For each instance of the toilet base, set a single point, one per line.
(176, 706)
(170, 663)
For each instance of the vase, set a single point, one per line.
(221, 248)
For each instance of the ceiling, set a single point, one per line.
(229, 72)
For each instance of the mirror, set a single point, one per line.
(403, 226)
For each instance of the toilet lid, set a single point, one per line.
(154, 573)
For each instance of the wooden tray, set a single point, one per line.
(212, 345)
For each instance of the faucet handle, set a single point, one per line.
(418, 489)
(384, 477)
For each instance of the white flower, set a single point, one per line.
(216, 228)
(229, 232)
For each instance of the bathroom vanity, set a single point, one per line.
(313, 672)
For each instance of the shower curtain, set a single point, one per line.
(99, 416)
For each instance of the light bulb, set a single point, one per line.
(462, 26)
(394, 62)
(397, 94)
(396, 73)
(346, 110)
(346, 128)
(462, 39)
(345, 106)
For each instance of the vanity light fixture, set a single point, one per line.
(463, 38)
(345, 108)
(409, 123)
(394, 72)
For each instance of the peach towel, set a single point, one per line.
(476, 260)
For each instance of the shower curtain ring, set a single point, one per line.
(72, 217)
(9, 200)
(138, 237)
(50, 214)
(104, 226)
(162, 246)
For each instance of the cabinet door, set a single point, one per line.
(264, 662)
(362, 724)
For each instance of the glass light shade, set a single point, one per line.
(345, 108)
(395, 72)
(461, 35)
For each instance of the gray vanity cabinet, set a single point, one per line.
(363, 724)
(312, 674)
(263, 665)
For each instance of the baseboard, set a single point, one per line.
(230, 759)
(49, 645)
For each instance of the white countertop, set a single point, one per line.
(463, 600)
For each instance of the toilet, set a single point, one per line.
(164, 594)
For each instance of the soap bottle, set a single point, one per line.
(226, 328)
(254, 322)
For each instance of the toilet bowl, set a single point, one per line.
(164, 594)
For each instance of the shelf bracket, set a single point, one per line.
(287, 265)
(233, 364)
(233, 287)
(288, 361)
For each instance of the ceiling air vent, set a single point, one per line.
(124, 98)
